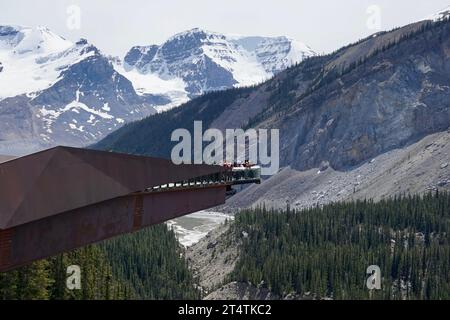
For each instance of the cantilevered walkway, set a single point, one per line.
(64, 198)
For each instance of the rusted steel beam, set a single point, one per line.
(60, 233)
(4, 158)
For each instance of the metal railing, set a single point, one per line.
(233, 176)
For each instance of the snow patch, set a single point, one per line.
(150, 83)
(74, 127)
(50, 116)
(441, 15)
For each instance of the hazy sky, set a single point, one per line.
(115, 26)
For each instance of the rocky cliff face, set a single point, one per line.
(398, 96)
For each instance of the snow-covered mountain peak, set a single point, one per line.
(197, 33)
(279, 53)
(33, 58)
(201, 60)
(27, 40)
(442, 14)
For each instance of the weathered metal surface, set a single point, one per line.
(4, 158)
(76, 228)
(5, 247)
(48, 183)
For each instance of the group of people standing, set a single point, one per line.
(246, 164)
